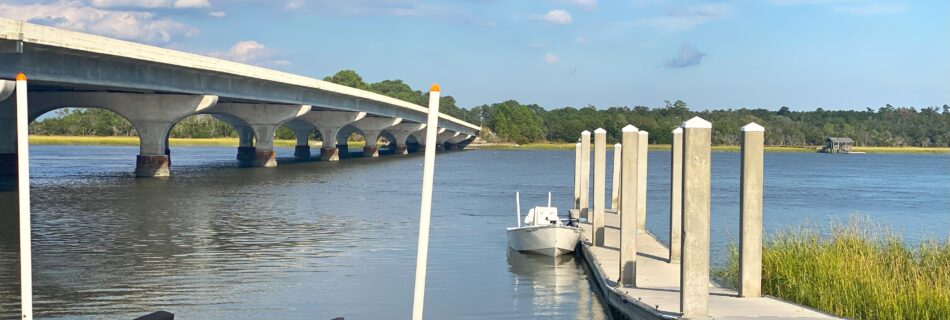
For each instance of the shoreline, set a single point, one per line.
(174, 142)
(233, 142)
(715, 148)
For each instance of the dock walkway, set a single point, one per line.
(657, 295)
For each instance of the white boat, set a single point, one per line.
(543, 232)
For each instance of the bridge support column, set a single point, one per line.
(372, 127)
(264, 155)
(262, 120)
(330, 151)
(329, 124)
(8, 168)
(459, 142)
(152, 160)
(152, 115)
(246, 144)
(443, 137)
(302, 149)
(420, 137)
(371, 149)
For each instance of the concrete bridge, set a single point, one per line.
(155, 88)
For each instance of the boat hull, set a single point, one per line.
(553, 240)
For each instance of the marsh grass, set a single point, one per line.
(856, 270)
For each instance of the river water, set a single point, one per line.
(317, 240)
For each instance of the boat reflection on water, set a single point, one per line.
(553, 287)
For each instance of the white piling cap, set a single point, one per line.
(697, 122)
(644, 133)
(630, 128)
(618, 145)
(678, 130)
(600, 131)
(751, 127)
(578, 144)
(585, 133)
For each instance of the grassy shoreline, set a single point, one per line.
(722, 148)
(856, 270)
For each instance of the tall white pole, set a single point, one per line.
(549, 199)
(518, 206)
(428, 171)
(23, 189)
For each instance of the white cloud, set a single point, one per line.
(217, 14)
(587, 4)
(687, 18)
(872, 9)
(558, 16)
(551, 58)
(192, 4)
(122, 24)
(366, 7)
(250, 52)
(181, 4)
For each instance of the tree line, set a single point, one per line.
(511, 121)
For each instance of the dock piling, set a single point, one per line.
(642, 154)
(694, 267)
(628, 206)
(577, 176)
(615, 178)
(676, 194)
(750, 219)
(600, 185)
(585, 179)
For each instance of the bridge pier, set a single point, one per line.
(302, 149)
(152, 116)
(420, 137)
(8, 167)
(329, 124)
(372, 128)
(443, 137)
(401, 134)
(459, 142)
(261, 122)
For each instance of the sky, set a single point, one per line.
(803, 54)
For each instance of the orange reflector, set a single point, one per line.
(20, 77)
(435, 88)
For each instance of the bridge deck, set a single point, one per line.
(657, 294)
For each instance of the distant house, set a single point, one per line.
(837, 145)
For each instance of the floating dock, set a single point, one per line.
(657, 295)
